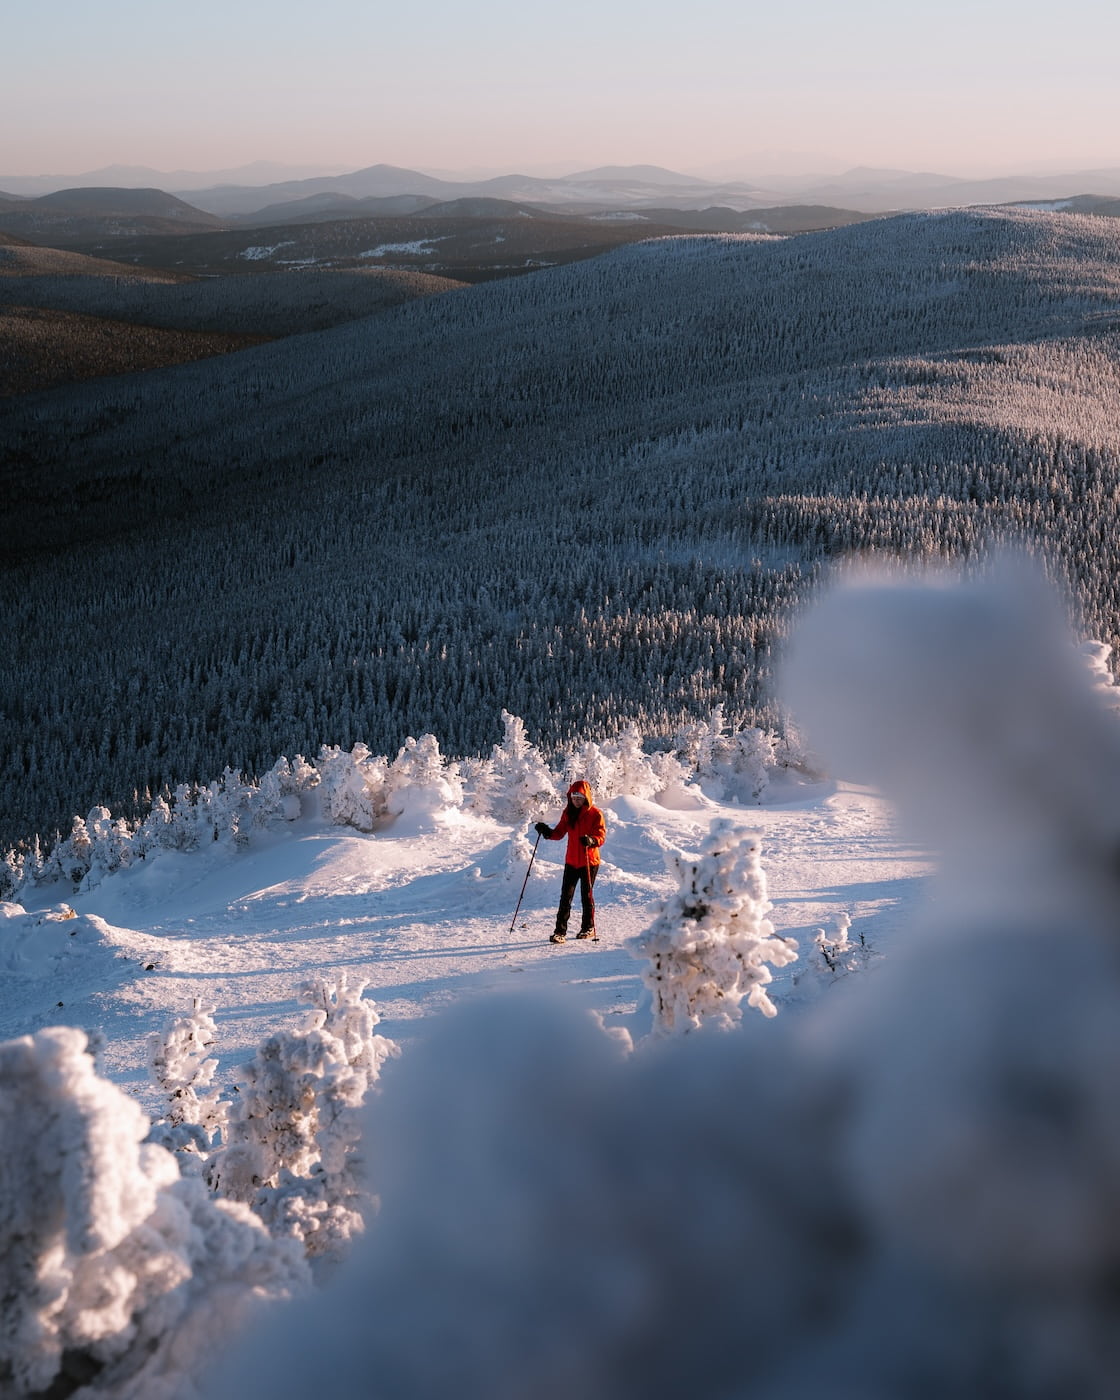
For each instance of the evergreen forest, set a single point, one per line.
(592, 496)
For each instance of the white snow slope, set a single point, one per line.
(422, 911)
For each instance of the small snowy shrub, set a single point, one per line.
(731, 767)
(832, 957)
(709, 945)
(839, 953)
(353, 786)
(180, 1065)
(293, 1138)
(420, 780)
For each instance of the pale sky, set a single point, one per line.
(963, 86)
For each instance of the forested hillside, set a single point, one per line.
(585, 496)
(64, 316)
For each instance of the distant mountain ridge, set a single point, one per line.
(862, 189)
(245, 191)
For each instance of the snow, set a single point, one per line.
(260, 251)
(422, 247)
(421, 910)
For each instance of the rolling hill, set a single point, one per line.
(586, 496)
(66, 317)
(67, 216)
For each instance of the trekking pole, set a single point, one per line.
(591, 896)
(525, 883)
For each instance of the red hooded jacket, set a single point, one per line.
(589, 821)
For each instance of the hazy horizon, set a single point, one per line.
(506, 88)
(769, 164)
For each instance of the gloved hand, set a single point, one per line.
(588, 841)
(543, 829)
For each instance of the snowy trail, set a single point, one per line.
(423, 915)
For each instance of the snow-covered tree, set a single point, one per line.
(180, 1065)
(515, 784)
(710, 944)
(421, 781)
(278, 796)
(352, 786)
(154, 832)
(293, 1133)
(118, 1276)
(110, 845)
(70, 859)
(733, 765)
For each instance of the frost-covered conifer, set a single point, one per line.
(620, 767)
(278, 797)
(515, 785)
(13, 872)
(154, 832)
(70, 858)
(635, 772)
(709, 946)
(189, 827)
(229, 801)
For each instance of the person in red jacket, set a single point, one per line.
(584, 826)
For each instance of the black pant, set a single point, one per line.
(584, 877)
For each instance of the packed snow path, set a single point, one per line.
(422, 913)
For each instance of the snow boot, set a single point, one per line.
(588, 933)
(557, 937)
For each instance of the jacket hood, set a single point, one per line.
(581, 785)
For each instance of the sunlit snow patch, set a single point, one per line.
(53, 941)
